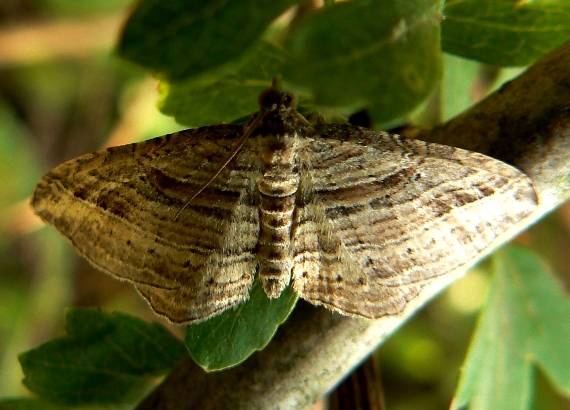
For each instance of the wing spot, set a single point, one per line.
(80, 194)
(344, 211)
(487, 191)
(150, 251)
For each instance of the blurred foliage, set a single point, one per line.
(53, 108)
(77, 96)
(519, 331)
(103, 358)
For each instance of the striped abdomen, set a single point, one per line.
(277, 190)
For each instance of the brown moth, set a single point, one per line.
(355, 220)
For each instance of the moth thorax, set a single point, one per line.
(278, 149)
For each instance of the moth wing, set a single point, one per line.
(119, 208)
(381, 216)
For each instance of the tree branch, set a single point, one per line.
(525, 123)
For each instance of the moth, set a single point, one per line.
(354, 220)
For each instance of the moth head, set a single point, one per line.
(273, 99)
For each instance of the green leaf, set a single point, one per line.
(181, 38)
(223, 95)
(28, 404)
(504, 32)
(34, 404)
(524, 324)
(18, 176)
(228, 339)
(456, 86)
(384, 55)
(105, 358)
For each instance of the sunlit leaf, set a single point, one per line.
(524, 324)
(504, 32)
(382, 55)
(223, 95)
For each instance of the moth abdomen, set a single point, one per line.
(274, 243)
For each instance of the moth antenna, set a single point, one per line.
(225, 162)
